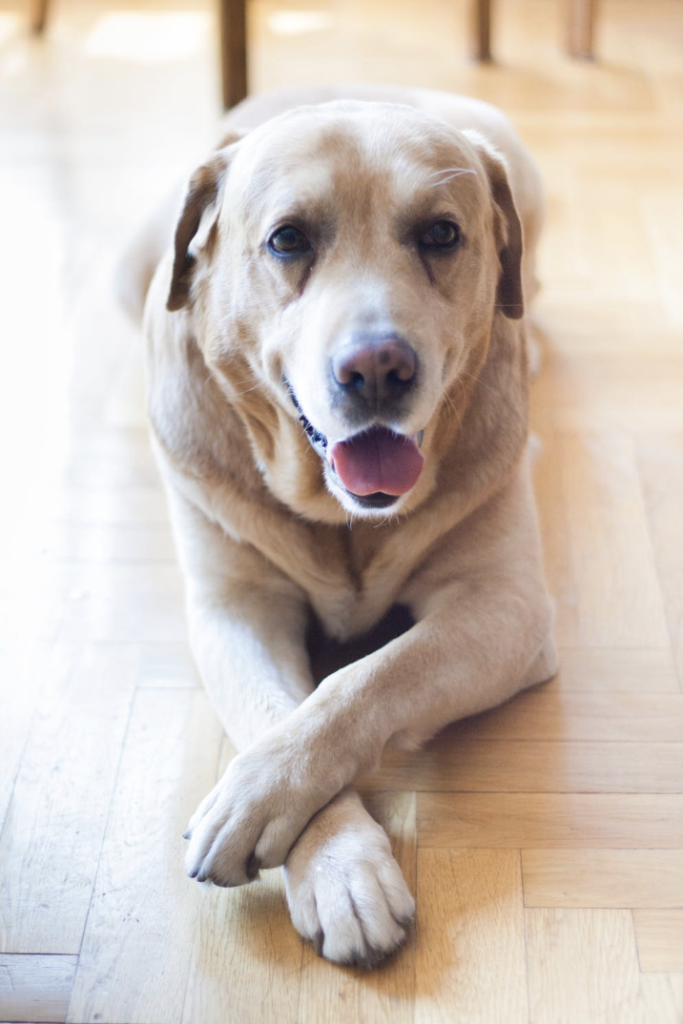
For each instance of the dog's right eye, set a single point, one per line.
(289, 241)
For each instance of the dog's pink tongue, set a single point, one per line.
(378, 460)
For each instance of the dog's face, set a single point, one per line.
(347, 261)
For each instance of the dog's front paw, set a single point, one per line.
(252, 816)
(345, 891)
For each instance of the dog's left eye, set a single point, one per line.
(288, 241)
(440, 237)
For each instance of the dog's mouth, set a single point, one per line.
(375, 467)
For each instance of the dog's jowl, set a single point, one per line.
(338, 379)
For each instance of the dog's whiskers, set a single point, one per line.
(447, 174)
(498, 394)
(478, 380)
(450, 404)
(238, 394)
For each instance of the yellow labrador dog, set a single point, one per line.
(337, 377)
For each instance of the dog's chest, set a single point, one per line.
(348, 613)
(358, 597)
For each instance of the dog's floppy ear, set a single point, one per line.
(509, 297)
(202, 196)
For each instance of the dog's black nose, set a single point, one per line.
(375, 369)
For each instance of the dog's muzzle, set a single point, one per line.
(374, 467)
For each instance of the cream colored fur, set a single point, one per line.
(265, 532)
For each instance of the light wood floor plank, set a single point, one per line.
(23, 667)
(121, 603)
(35, 988)
(549, 490)
(71, 542)
(586, 670)
(247, 957)
(136, 951)
(34, 597)
(660, 939)
(55, 823)
(602, 986)
(642, 878)
(563, 821)
(110, 457)
(470, 938)
(99, 507)
(662, 998)
(384, 996)
(169, 664)
(660, 461)
(661, 211)
(617, 394)
(619, 263)
(549, 713)
(244, 934)
(461, 764)
(620, 602)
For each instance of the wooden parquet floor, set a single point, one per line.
(544, 841)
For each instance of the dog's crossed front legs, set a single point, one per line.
(482, 633)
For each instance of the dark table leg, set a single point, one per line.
(38, 15)
(481, 16)
(233, 42)
(581, 27)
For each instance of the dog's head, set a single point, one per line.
(342, 266)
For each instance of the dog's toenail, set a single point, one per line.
(253, 867)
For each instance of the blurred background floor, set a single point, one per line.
(544, 840)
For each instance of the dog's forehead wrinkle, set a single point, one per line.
(283, 190)
(391, 144)
(306, 147)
